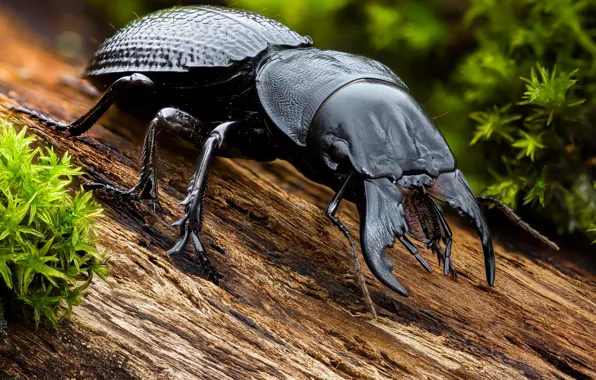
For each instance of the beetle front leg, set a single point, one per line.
(447, 238)
(190, 224)
(331, 210)
(414, 251)
(85, 122)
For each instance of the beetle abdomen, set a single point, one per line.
(182, 38)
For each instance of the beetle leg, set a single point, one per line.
(512, 216)
(414, 251)
(190, 224)
(168, 119)
(447, 240)
(441, 258)
(331, 210)
(418, 227)
(146, 188)
(82, 124)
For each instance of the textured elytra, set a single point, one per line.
(179, 39)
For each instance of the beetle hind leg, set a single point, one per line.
(85, 122)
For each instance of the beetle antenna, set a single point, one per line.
(511, 215)
(441, 115)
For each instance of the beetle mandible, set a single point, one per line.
(241, 85)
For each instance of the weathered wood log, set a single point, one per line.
(288, 306)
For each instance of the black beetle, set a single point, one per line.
(241, 85)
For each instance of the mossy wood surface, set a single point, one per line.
(288, 306)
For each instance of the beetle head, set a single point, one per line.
(388, 211)
(378, 130)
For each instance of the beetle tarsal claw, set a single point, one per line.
(453, 189)
(189, 230)
(179, 222)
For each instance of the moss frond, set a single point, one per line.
(47, 250)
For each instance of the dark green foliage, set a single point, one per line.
(538, 140)
(47, 256)
(3, 324)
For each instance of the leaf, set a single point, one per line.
(592, 229)
(548, 90)
(485, 71)
(5, 272)
(495, 122)
(529, 144)
(536, 193)
(505, 191)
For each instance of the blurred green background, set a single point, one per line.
(510, 83)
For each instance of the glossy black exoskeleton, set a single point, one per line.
(242, 85)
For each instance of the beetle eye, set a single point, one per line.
(338, 152)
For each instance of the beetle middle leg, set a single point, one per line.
(85, 122)
(171, 120)
(190, 224)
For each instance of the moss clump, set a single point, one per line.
(535, 120)
(47, 256)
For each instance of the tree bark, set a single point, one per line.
(288, 305)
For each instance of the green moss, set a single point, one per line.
(47, 255)
(536, 131)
